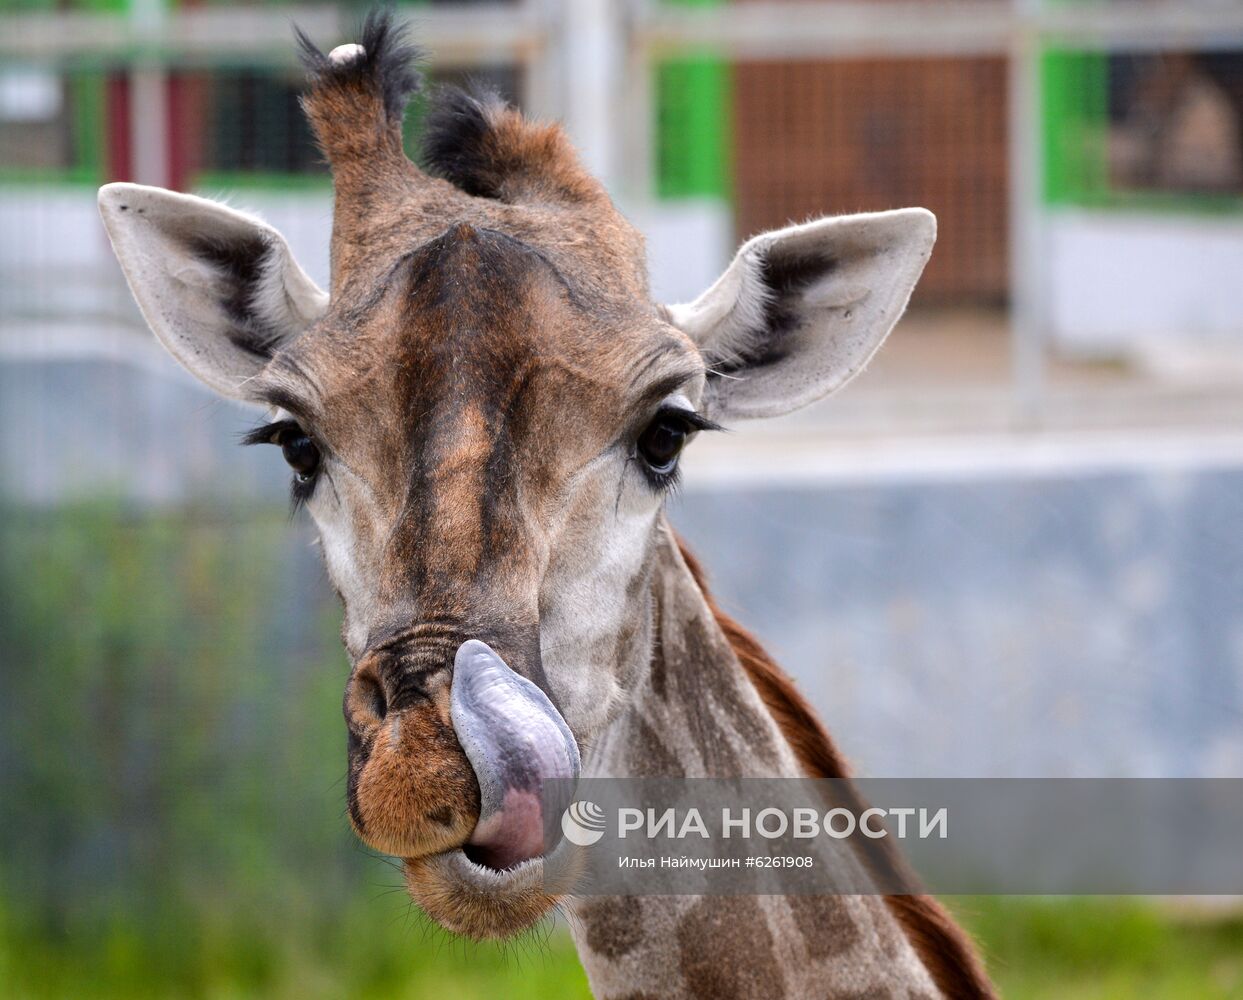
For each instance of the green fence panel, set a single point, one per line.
(1075, 89)
(694, 142)
(1076, 129)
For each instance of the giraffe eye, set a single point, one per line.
(299, 451)
(663, 439)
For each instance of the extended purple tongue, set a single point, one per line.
(516, 741)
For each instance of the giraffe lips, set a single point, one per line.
(517, 743)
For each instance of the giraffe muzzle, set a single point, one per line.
(517, 743)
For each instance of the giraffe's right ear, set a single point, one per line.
(219, 288)
(801, 310)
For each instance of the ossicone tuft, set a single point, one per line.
(457, 139)
(481, 145)
(359, 92)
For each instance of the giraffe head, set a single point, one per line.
(482, 417)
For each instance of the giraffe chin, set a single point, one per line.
(481, 902)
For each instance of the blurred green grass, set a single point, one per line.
(379, 948)
(1107, 947)
(360, 948)
(171, 756)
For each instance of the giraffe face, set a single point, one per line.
(483, 418)
(483, 427)
(485, 457)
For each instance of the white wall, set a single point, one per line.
(1131, 283)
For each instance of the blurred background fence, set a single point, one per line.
(1013, 548)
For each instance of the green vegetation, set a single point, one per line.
(171, 756)
(376, 946)
(362, 948)
(1106, 947)
(171, 763)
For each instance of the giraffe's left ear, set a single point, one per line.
(800, 311)
(219, 288)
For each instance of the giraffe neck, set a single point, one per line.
(698, 714)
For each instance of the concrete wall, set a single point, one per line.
(1072, 622)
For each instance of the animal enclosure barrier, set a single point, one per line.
(710, 121)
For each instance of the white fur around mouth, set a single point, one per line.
(481, 902)
(555, 873)
(457, 864)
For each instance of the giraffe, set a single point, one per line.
(483, 416)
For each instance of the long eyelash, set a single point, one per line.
(300, 492)
(696, 420)
(662, 482)
(268, 433)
